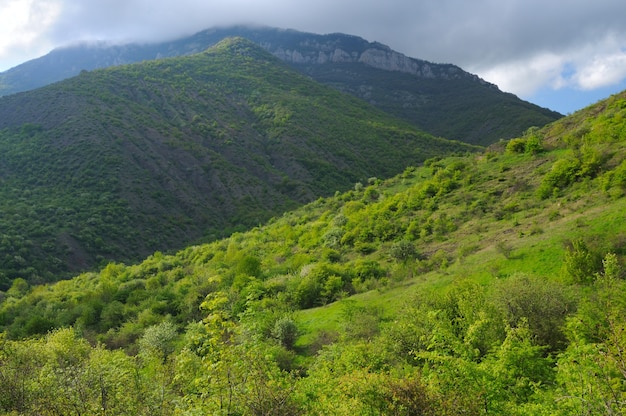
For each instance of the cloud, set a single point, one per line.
(526, 75)
(22, 23)
(584, 67)
(601, 71)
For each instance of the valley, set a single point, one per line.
(220, 234)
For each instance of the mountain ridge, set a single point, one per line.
(439, 98)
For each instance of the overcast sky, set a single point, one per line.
(561, 54)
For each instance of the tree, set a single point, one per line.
(542, 304)
(158, 339)
(592, 370)
(403, 250)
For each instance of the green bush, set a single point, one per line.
(516, 145)
(533, 145)
(563, 173)
(542, 303)
(403, 250)
(580, 264)
(158, 339)
(286, 332)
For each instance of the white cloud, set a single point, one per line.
(525, 76)
(601, 71)
(593, 64)
(22, 25)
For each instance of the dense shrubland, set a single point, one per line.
(457, 287)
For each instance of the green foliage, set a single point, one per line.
(516, 145)
(18, 288)
(286, 332)
(62, 374)
(533, 145)
(580, 264)
(563, 173)
(530, 144)
(591, 371)
(414, 309)
(616, 177)
(539, 304)
(403, 250)
(158, 339)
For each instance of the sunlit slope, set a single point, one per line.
(488, 283)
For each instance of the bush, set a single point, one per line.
(543, 304)
(516, 146)
(530, 143)
(286, 332)
(563, 173)
(158, 339)
(616, 177)
(581, 265)
(403, 250)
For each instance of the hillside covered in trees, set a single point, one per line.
(483, 283)
(117, 163)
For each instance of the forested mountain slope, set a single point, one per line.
(117, 163)
(488, 283)
(441, 99)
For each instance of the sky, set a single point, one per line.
(559, 54)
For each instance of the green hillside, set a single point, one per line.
(488, 283)
(118, 163)
(463, 108)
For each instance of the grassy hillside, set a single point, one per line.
(479, 284)
(118, 163)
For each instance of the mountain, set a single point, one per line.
(441, 99)
(117, 163)
(489, 282)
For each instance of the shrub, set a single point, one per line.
(158, 339)
(286, 332)
(402, 250)
(616, 177)
(580, 264)
(563, 173)
(332, 237)
(516, 146)
(543, 304)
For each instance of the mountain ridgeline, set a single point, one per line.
(441, 99)
(117, 163)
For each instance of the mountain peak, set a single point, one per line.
(238, 45)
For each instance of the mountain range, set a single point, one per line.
(441, 99)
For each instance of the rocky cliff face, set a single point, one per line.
(376, 55)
